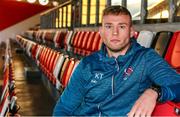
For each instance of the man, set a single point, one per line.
(123, 78)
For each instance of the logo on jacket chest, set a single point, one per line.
(127, 73)
(97, 77)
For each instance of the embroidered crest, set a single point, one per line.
(127, 73)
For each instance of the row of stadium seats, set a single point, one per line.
(85, 42)
(80, 42)
(8, 105)
(57, 66)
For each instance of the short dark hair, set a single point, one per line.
(116, 10)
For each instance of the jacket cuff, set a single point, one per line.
(166, 94)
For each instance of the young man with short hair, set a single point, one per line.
(123, 78)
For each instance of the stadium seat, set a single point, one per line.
(145, 38)
(57, 70)
(84, 44)
(4, 107)
(41, 55)
(96, 43)
(90, 43)
(67, 72)
(49, 36)
(38, 54)
(161, 42)
(78, 42)
(173, 52)
(34, 51)
(67, 40)
(63, 67)
(75, 40)
(48, 61)
(82, 39)
(52, 66)
(59, 38)
(167, 109)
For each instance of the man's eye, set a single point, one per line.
(122, 27)
(108, 26)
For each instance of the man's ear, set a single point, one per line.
(132, 31)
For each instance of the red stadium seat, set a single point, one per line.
(75, 40)
(52, 66)
(34, 50)
(78, 42)
(172, 57)
(173, 52)
(167, 109)
(42, 56)
(90, 43)
(84, 43)
(67, 72)
(47, 62)
(97, 42)
(45, 58)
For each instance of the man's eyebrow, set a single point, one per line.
(118, 24)
(123, 24)
(107, 23)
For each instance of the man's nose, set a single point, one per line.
(115, 30)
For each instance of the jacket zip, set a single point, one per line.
(112, 80)
(99, 110)
(112, 84)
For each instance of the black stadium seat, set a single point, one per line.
(161, 42)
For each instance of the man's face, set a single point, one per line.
(116, 31)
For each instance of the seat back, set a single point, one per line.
(67, 40)
(67, 72)
(161, 42)
(75, 39)
(59, 39)
(65, 63)
(145, 38)
(4, 107)
(38, 53)
(173, 52)
(58, 66)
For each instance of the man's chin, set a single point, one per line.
(115, 49)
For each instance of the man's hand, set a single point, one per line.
(145, 104)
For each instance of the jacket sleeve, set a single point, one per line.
(162, 74)
(72, 96)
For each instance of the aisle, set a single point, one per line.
(33, 97)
